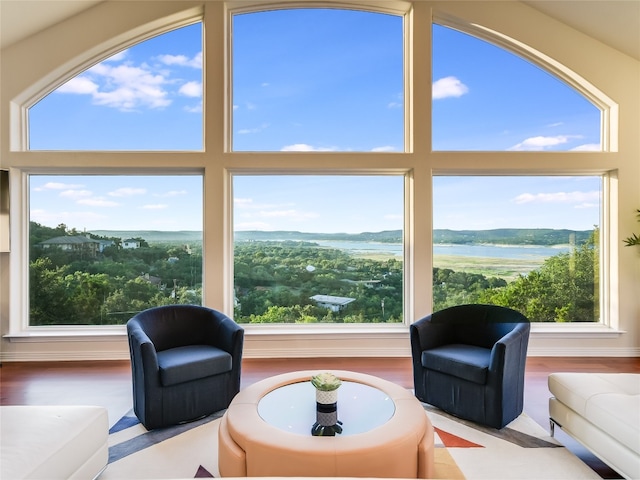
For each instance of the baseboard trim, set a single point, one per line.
(308, 352)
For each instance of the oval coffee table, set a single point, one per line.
(266, 431)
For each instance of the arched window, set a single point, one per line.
(318, 80)
(147, 97)
(315, 203)
(486, 98)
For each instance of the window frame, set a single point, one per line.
(217, 162)
(406, 277)
(606, 179)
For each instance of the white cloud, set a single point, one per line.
(125, 87)
(248, 204)
(97, 202)
(587, 147)
(246, 131)
(73, 194)
(118, 57)
(292, 214)
(172, 193)
(577, 197)
(398, 102)
(135, 87)
(386, 148)
(182, 60)
(541, 142)
(80, 86)
(44, 217)
(194, 108)
(242, 202)
(448, 87)
(127, 192)
(303, 147)
(252, 226)
(157, 206)
(191, 89)
(257, 216)
(58, 186)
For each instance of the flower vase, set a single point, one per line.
(326, 397)
(327, 423)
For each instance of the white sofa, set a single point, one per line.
(601, 411)
(53, 442)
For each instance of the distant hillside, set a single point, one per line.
(390, 236)
(512, 236)
(154, 236)
(500, 236)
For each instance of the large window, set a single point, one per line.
(314, 249)
(147, 97)
(318, 80)
(529, 243)
(486, 98)
(102, 248)
(317, 211)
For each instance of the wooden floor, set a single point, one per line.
(109, 383)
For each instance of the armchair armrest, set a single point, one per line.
(143, 351)
(426, 334)
(228, 335)
(509, 353)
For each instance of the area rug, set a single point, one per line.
(464, 450)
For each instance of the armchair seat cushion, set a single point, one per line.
(467, 362)
(183, 364)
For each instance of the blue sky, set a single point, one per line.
(314, 80)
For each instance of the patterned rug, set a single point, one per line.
(464, 450)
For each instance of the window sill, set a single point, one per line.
(110, 333)
(563, 330)
(68, 334)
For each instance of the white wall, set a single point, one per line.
(28, 66)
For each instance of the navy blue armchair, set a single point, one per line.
(469, 360)
(185, 363)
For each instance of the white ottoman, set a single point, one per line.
(601, 411)
(53, 442)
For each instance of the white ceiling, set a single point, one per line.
(613, 22)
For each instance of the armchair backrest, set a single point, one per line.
(172, 326)
(478, 324)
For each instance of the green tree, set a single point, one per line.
(86, 293)
(48, 298)
(564, 289)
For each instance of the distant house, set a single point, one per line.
(75, 243)
(130, 243)
(157, 281)
(104, 244)
(335, 304)
(366, 283)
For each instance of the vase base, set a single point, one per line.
(319, 430)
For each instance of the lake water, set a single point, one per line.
(523, 252)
